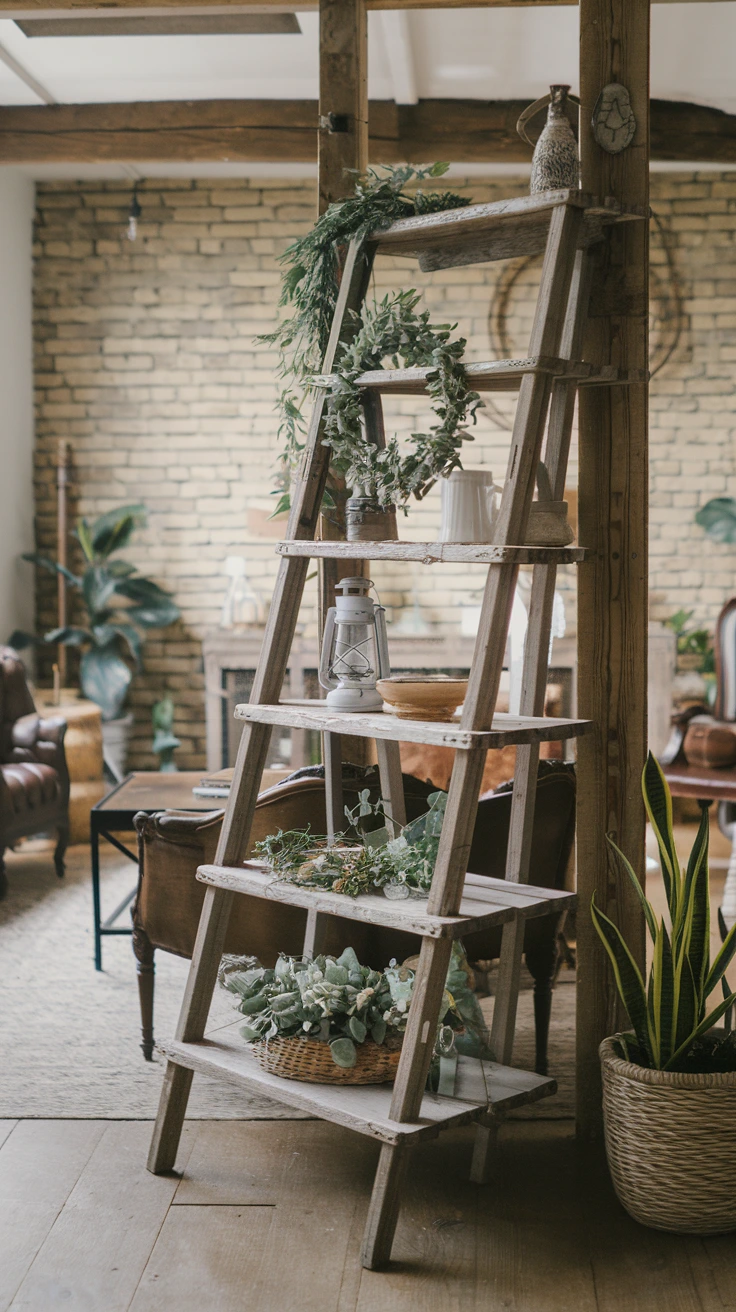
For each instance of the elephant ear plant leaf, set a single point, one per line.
(121, 605)
(669, 1015)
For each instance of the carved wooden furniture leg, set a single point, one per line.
(144, 953)
(62, 842)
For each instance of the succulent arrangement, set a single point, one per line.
(338, 1001)
(669, 1015)
(400, 865)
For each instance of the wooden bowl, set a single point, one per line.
(422, 696)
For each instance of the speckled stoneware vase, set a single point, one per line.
(555, 163)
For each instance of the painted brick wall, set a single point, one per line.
(146, 360)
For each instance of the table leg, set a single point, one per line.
(95, 853)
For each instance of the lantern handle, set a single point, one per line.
(531, 110)
(325, 678)
(384, 665)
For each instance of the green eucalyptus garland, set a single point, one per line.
(310, 286)
(394, 330)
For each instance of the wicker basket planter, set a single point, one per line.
(670, 1145)
(311, 1060)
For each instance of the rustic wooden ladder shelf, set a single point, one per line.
(563, 224)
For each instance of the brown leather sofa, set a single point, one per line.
(34, 779)
(173, 844)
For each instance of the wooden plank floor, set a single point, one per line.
(268, 1215)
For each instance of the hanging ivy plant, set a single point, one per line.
(311, 281)
(394, 330)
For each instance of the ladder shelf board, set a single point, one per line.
(484, 904)
(434, 553)
(506, 730)
(363, 1107)
(494, 231)
(491, 376)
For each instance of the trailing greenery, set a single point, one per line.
(401, 865)
(340, 1002)
(311, 281)
(394, 330)
(121, 606)
(669, 1016)
(718, 518)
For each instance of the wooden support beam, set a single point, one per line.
(612, 508)
(283, 131)
(343, 97)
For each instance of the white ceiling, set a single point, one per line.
(479, 53)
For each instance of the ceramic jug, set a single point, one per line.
(467, 506)
(555, 164)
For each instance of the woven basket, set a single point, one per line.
(670, 1145)
(311, 1060)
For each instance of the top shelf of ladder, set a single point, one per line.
(496, 231)
(432, 553)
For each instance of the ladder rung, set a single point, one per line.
(433, 553)
(494, 376)
(506, 730)
(481, 907)
(499, 230)
(364, 1107)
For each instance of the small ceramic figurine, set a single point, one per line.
(555, 164)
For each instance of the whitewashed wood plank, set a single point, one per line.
(506, 729)
(434, 553)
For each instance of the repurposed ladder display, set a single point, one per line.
(563, 224)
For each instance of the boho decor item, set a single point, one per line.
(549, 525)
(669, 1142)
(354, 649)
(555, 163)
(673, 1076)
(332, 1021)
(310, 286)
(467, 506)
(367, 858)
(241, 607)
(423, 696)
(613, 119)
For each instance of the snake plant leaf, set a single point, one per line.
(627, 974)
(705, 1025)
(692, 940)
(658, 803)
(645, 904)
(344, 1053)
(688, 997)
(661, 1001)
(722, 961)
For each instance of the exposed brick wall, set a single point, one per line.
(146, 361)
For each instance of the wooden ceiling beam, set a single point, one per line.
(23, 9)
(285, 131)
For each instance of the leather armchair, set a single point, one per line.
(34, 779)
(169, 900)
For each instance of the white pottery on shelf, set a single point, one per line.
(468, 506)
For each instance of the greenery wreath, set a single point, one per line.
(390, 330)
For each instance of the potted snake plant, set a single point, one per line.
(669, 1086)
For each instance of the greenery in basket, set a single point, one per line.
(340, 1002)
(401, 865)
(121, 605)
(310, 286)
(669, 1016)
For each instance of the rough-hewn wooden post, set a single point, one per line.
(342, 145)
(612, 588)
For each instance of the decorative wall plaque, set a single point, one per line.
(613, 119)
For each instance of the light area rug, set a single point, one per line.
(70, 1035)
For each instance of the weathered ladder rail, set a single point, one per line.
(562, 224)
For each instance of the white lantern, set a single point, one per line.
(354, 649)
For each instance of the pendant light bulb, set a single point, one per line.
(134, 213)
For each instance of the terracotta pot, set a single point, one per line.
(423, 697)
(670, 1145)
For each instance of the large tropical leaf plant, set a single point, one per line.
(120, 603)
(669, 1015)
